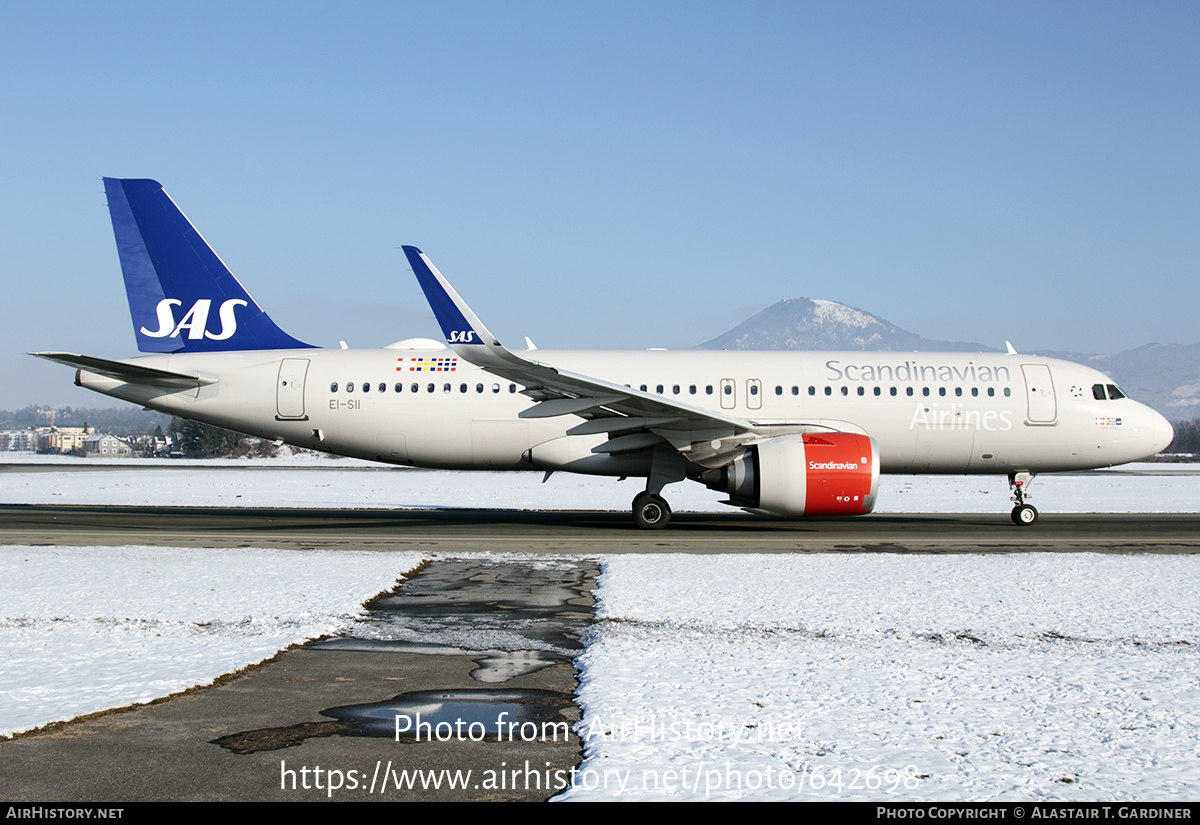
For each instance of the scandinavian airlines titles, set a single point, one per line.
(914, 371)
(957, 417)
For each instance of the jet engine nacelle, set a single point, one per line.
(831, 474)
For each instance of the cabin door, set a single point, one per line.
(1039, 393)
(289, 391)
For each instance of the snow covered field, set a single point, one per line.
(1010, 677)
(1037, 676)
(89, 628)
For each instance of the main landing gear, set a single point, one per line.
(651, 512)
(1023, 514)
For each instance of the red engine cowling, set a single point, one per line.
(831, 474)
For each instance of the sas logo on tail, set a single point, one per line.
(195, 320)
(462, 337)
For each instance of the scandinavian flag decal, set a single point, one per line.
(426, 364)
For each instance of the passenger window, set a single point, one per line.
(908, 391)
(658, 389)
(845, 390)
(812, 390)
(1007, 392)
(862, 391)
(349, 386)
(796, 390)
(942, 392)
(878, 391)
(974, 392)
(445, 388)
(1114, 393)
(366, 386)
(991, 392)
(779, 390)
(692, 389)
(462, 387)
(728, 390)
(893, 392)
(675, 390)
(754, 389)
(512, 388)
(642, 388)
(829, 390)
(925, 391)
(958, 391)
(333, 387)
(479, 388)
(415, 388)
(495, 388)
(399, 387)
(708, 390)
(382, 387)
(430, 387)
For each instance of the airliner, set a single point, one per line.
(789, 434)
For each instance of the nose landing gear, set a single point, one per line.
(1023, 514)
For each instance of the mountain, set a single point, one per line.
(1164, 376)
(813, 324)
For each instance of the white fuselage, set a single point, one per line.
(928, 412)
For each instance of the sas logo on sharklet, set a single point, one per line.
(195, 320)
(462, 336)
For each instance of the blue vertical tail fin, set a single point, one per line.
(181, 296)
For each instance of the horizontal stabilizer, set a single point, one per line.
(129, 373)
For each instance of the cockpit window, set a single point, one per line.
(1114, 393)
(1098, 392)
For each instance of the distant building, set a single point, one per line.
(107, 446)
(23, 440)
(62, 439)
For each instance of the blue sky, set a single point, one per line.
(612, 175)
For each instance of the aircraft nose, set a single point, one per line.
(1160, 430)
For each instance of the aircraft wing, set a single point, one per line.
(129, 373)
(632, 419)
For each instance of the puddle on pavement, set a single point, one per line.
(475, 715)
(494, 666)
(512, 618)
(428, 715)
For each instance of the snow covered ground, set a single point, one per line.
(1009, 677)
(89, 628)
(1036, 676)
